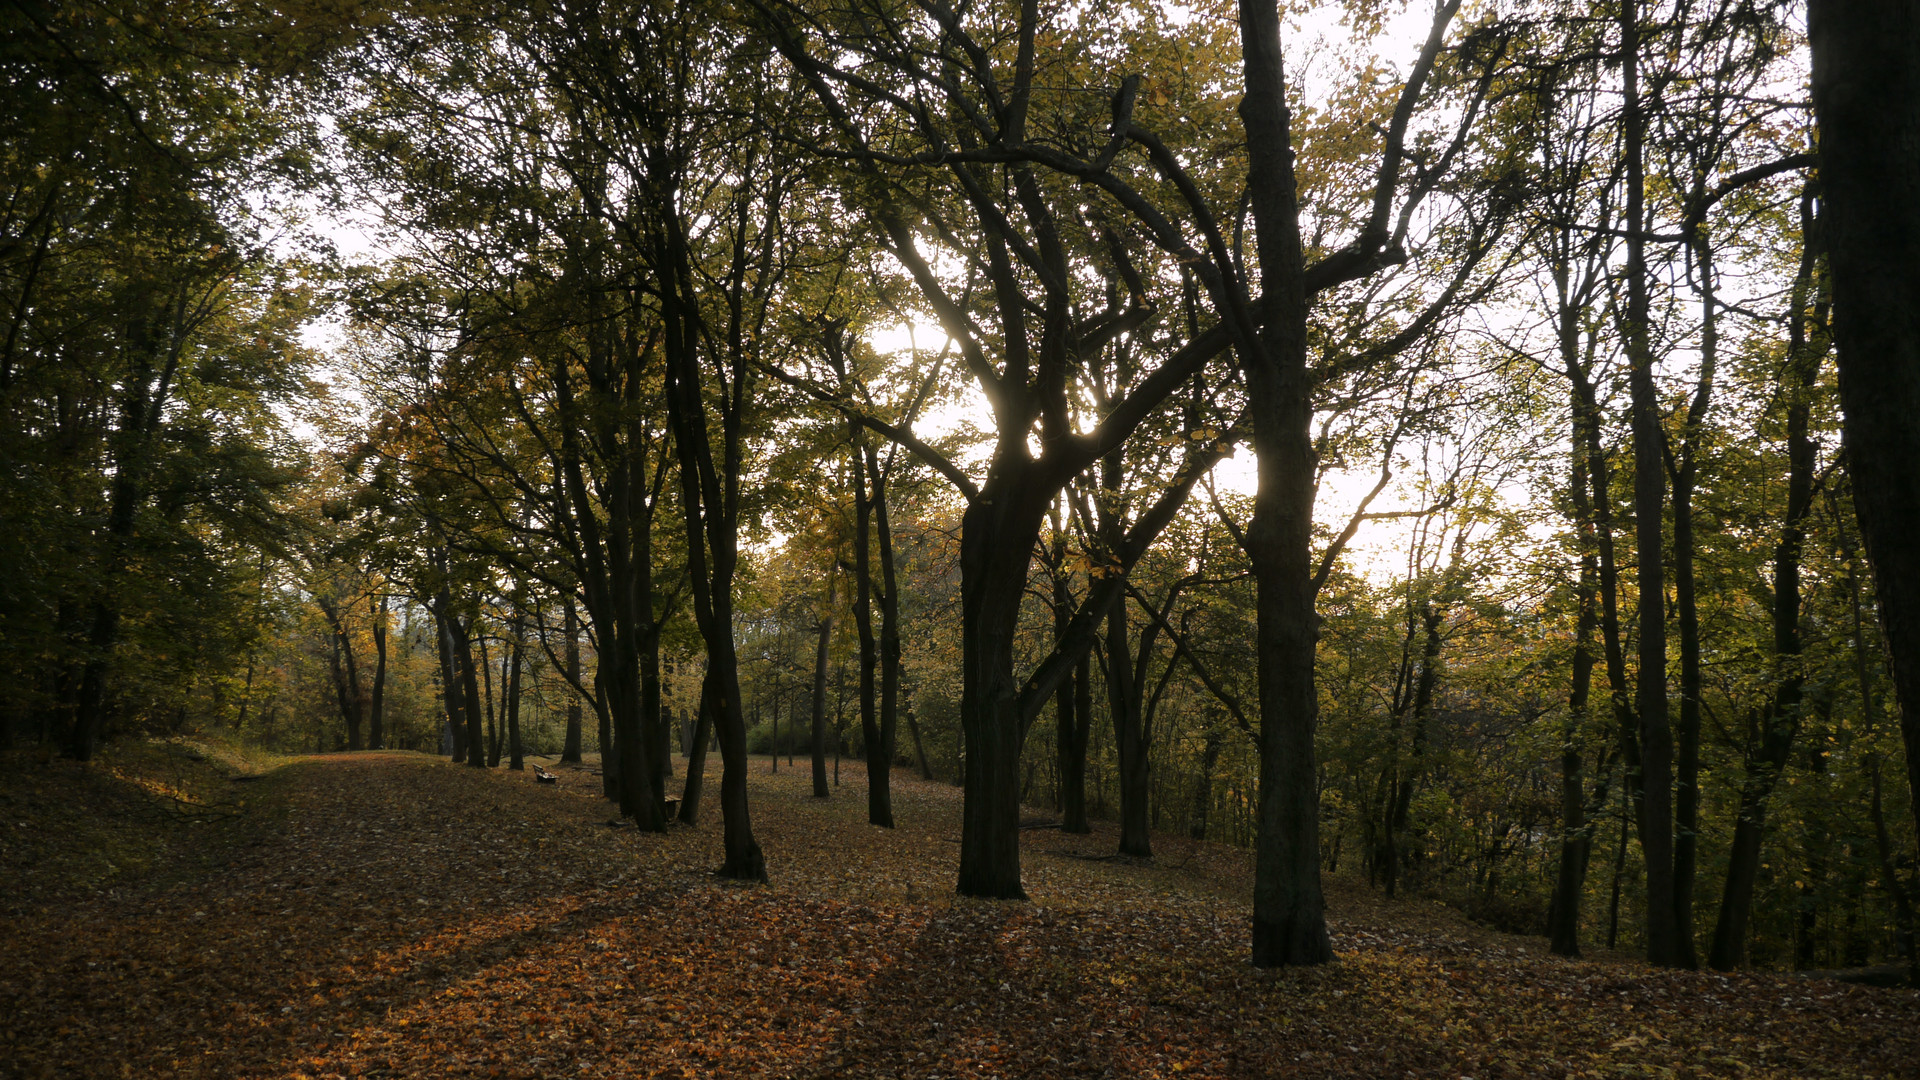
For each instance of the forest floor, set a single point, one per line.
(176, 911)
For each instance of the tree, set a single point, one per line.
(1866, 96)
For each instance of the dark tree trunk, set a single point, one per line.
(609, 758)
(1664, 935)
(1129, 735)
(470, 694)
(696, 764)
(1686, 808)
(997, 538)
(817, 735)
(141, 412)
(1289, 911)
(1073, 709)
(516, 758)
(1866, 97)
(710, 502)
(1781, 720)
(1399, 824)
(377, 713)
(570, 751)
(346, 673)
(1203, 786)
(1576, 836)
(486, 697)
(877, 719)
(919, 745)
(450, 685)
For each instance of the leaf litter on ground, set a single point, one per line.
(391, 915)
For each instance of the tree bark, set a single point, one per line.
(377, 713)
(877, 703)
(1289, 910)
(1782, 717)
(1866, 97)
(1664, 934)
(470, 693)
(516, 759)
(1073, 719)
(450, 685)
(570, 750)
(817, 734)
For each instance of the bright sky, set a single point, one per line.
(1377, 550)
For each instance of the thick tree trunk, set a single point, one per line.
(1866, 97)
(998, 533)
(1289, 911)
(450, 685)
(1125, 707)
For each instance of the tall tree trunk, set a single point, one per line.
(919, 745)
(1289, 910)
(1686, 809)
(1399, 824)
(450, 685)
(470, 693)
(817, 736)
(1664, 934)
(1124, 706)
(516, 758)
(1203, 785)
(1781, 719)
(141, 410)
(1866, 97)
(377, 713)
(1073, 712)
(570, 750)
(709, 499)
(997, 536)
(1576, 835)
(696, 764)
(346, 677)
(486, 698)
(879, 752)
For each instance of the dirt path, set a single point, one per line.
(390, 915)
